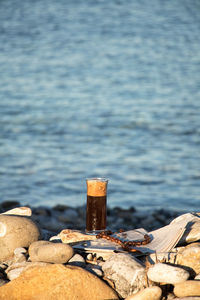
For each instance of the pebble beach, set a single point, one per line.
(40, 259)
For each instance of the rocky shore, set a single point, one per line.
(60, 216)
(38, 259)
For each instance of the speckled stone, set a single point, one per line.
(15, 232)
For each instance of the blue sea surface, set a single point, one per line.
(100, 88)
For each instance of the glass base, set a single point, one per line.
(94, 232)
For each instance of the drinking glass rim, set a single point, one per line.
(100, 179)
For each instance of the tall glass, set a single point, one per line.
(96, 204)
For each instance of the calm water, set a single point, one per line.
(100, 88)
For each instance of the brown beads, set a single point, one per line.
(126, 245)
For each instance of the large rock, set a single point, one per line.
(150, 293)
(187, 288)
(165, 273)
(45, 251)
(127, 274)
(15, 232)
(57, 282)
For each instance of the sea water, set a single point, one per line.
(100, 88)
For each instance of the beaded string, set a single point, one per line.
(126, 245)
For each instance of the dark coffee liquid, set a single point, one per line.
(96, 213)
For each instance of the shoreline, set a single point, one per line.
(61, 217)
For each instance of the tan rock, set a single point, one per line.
(50, 252)
(15, 232)
(192, 233)
(189, 256)
(57, 282)
(150, 293)
(187, 288)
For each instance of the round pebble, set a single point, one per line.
(165, 273)
(50, 252)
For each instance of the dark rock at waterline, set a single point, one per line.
(7, 205)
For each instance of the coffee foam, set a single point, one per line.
(96, 188)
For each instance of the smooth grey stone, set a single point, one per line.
(50, 252)
(127, 273)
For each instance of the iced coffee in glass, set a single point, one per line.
(96, 204)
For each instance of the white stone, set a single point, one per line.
(19, 211)
(161, 272)
(126, 272)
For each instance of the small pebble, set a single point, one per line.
(89, 256)
(77, 260)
